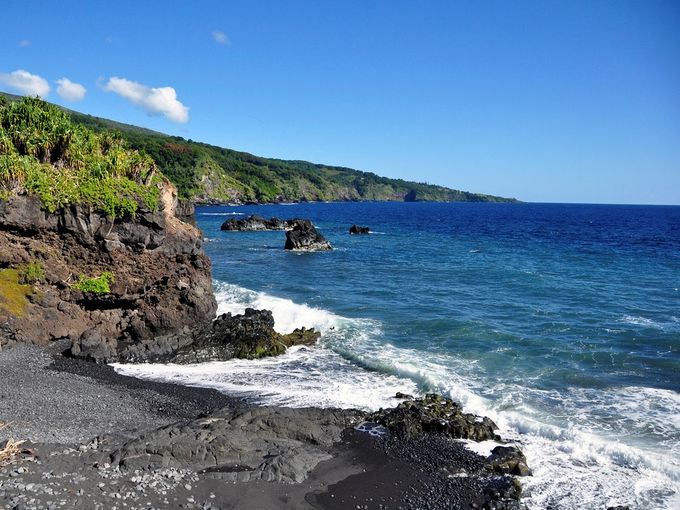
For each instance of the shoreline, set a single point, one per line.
(78, 416)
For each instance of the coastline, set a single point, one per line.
(75, 415)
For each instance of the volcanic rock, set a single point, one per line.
(257, 223)
(356, 229)
(508, 460)
(161, 276)
(434, 413)
(249, 336)
(304, 237)
(263, 443)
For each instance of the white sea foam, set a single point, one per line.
(482, 448)
(672, 324)
(221, 214)
(301, 377)
(287, 314)
(596, 458)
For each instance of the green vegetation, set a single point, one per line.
(13, 294)
(205, 172)
(33, 272)
(43, 152)
(99, 285)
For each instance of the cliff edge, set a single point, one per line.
(95, 246)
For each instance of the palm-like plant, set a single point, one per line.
(43, 152)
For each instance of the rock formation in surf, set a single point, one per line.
(250, 335)
(434, 413)
(356, 229)
(304, 237)
(257, 223)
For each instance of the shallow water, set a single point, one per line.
(560, 322)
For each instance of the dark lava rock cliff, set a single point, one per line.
(160, 276)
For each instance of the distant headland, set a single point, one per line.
(209, 174)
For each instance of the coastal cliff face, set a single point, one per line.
(102, 283)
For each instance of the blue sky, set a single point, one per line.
(545, 101)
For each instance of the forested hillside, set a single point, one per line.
(206, 173)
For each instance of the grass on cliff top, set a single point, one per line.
(13, 294)
(42, 152)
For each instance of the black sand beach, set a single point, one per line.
(81, 422)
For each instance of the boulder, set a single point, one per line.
(304, 237)
(250, 336)
(508, 460)
(257, 223)
(356, 229)
(434, 413)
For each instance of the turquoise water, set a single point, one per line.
(561, 322)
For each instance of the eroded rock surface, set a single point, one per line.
(161, 275)
(265, 443)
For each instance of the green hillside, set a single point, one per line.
(206, 173)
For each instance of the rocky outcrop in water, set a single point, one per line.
(52, 269)
(257, 223)
(356, 229)
(434, 413)
(304, 237)
(250, 335)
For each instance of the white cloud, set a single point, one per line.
(69, 90)
(156, 101)
(24, 43)
(220, 37)
(26, 83)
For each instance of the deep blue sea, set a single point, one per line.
(560, 322)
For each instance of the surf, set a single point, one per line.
(352, 367)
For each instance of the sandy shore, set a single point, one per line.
(81, 422)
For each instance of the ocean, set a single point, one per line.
(561, 322)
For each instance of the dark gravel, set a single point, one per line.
(48, 398)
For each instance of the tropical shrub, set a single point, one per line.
(33, 272)
(43, 152)
(99, 285)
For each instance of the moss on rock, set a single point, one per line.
(13, 294)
